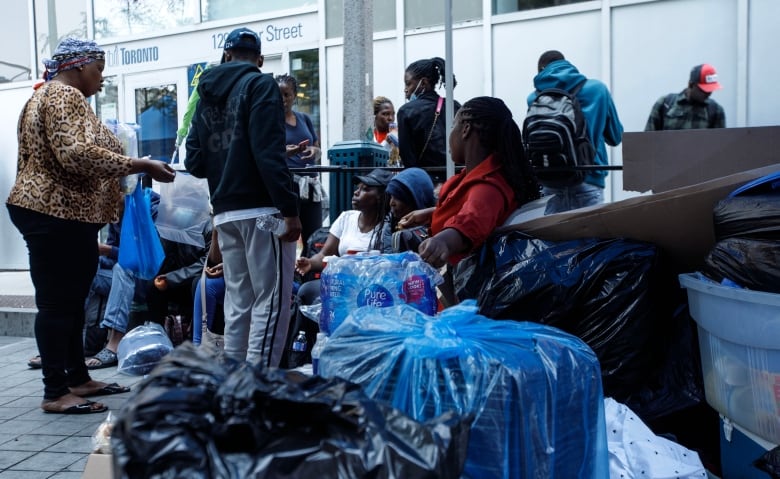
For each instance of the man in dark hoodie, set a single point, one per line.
(603, 127)
(237, 142)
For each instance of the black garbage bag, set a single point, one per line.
(197, 417)
(750, 263)
(751, 216)
(606, 292)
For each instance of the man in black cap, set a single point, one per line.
(692, 108)
(237, 142)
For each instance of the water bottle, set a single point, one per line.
(270, 223)
(338, 289)
(299, 345)
(316, 351)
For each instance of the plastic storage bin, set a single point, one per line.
(355, 153)
(739, 449)
(739, 339)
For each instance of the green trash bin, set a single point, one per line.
(356, 153)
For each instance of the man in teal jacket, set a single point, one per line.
(603, 126)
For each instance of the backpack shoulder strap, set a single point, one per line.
(577, 88)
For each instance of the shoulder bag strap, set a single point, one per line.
(435, 117)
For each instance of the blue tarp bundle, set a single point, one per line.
(535, 391)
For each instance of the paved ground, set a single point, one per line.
(34, 444)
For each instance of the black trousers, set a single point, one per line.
(63, 260)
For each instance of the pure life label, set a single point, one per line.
(375, 295)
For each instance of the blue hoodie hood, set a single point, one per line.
(414, 181)
(559, 74)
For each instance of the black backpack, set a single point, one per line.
(555, 137)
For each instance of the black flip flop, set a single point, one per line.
(83, 408)
(107, 390)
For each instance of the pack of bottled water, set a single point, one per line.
(376, 280)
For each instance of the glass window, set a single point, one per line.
(305, 67)
(156, 114)
(221, 9)
(117, 18)
(424, 13)
(107, 100)
(508, 6)
(53, 22)
(384, 17)
(15, 63)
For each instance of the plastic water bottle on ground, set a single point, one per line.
(299, 344)
(316, 352)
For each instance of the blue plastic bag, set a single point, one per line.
(535, 391)
(140, 249)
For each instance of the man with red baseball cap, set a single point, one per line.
(692, 108)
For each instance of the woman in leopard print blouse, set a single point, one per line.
(66, 189)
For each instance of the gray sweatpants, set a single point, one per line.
(258, 269)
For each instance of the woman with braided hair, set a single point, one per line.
(421, 125)
(496, 180)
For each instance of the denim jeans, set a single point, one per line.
(573, 197)
(120, 298)
(215, 297)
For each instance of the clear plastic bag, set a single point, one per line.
(184, 208)
(101, 440)
(142, 348)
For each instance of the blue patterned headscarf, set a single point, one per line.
(72, 53)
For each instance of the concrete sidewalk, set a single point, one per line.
(34, 444)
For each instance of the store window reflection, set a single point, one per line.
(107, 100)
(156, 115)
(222, 9)
(508, 6)
(55, 21)
(117, 18)
(305, 67)
(384, 17)
(15, 35)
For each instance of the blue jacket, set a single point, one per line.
(597, 106)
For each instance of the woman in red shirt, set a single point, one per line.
(496, 180)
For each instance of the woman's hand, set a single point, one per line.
(214, 271)
(434, 251)
(416, 218)
(312, 153)
(158, 170)
(302, 266)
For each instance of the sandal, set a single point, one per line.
(106, 390)
(35, 362)
(87, 407)
(106, 357)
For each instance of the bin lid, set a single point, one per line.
(766, 184)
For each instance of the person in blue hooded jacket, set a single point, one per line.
(409, 190)
(237, 141)
(603, 127)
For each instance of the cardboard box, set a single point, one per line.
(99, 466)
(663, 160)
(679, 220)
